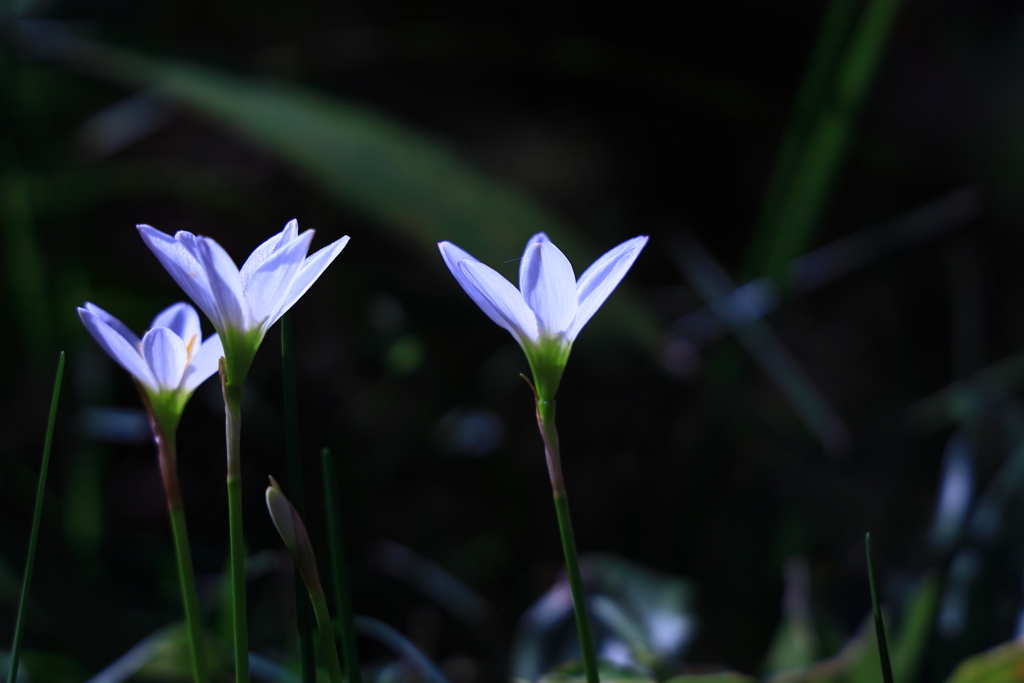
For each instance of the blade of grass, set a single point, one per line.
(19, 624)
(303, 611)
(807, 169)
(402, 646)
(876, 608)
(339, 570)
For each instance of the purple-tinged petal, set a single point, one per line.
(266, 250)
(549, 287)
(178, 256)
(312, 268)
(225, 286)
(600, 279)
(166, 357)
(118, 348)
(204, 364)
(181, 319)
(114, 323)
(502, 302)
(270, 285)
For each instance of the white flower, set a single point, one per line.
(170, 360)
(242, 304)
(551, 306)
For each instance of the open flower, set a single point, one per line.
(551, 306)
(242, 303)
(170, 360)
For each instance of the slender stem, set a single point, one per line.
(876, 607)
(233, 427)
(37, 515)
(546, 422)
(168, 458)
(339, 569)
(303, 615)
(327, 642)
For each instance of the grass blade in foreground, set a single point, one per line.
(339, 569)
(883, 647)
(303, 618)
(19, 624)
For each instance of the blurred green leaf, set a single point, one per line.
(1001, 664)
(365, 159)
(909, 643)
(572, 672)
(813, 150)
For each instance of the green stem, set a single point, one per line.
(303, 618)
(327, 642)
(37, 515)
(186, 577)
(546, 422)
(339, 569)
(233, 429)
(876, 607)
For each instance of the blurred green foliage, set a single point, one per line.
(695, 449)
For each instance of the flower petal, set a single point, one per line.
(549, 287)
(225, 286)
(536, 239)
(501, 301)
(117, 347)
(452, 255)
(266, 250)
(601, 278)
(166, 357)
(114, 323)
(271, 283)
(181, 319)
(179, 257)
(312, 268)
(204, 364)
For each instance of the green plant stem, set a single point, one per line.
(327, 642)
(546, 422)
(168, 458)
(876, 607)
(233, 429)
(303, 616)
(37, 515)
(339, 569)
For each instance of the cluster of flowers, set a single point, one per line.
(545, 314)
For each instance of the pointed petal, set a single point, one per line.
(549, 287)
(452, 255)
(271, 283)
(266, 250)
(204, 364)
(114, 323)
(536, 239)
(225, 285)
(118, 348)
(182, 320)
(166, 357)
(312, 268)
(601, 278)
(501, 301)
(178, 256)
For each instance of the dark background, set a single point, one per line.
(618, 121)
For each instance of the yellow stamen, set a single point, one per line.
(188, 348)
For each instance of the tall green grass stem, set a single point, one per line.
(327, 642)
(303, 613)
(339, 569)
(37, 515)
(546, 422)
(233, 430)
(876, 607)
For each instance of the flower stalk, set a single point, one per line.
(548, 432)
(339, 569)
(233, 434)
